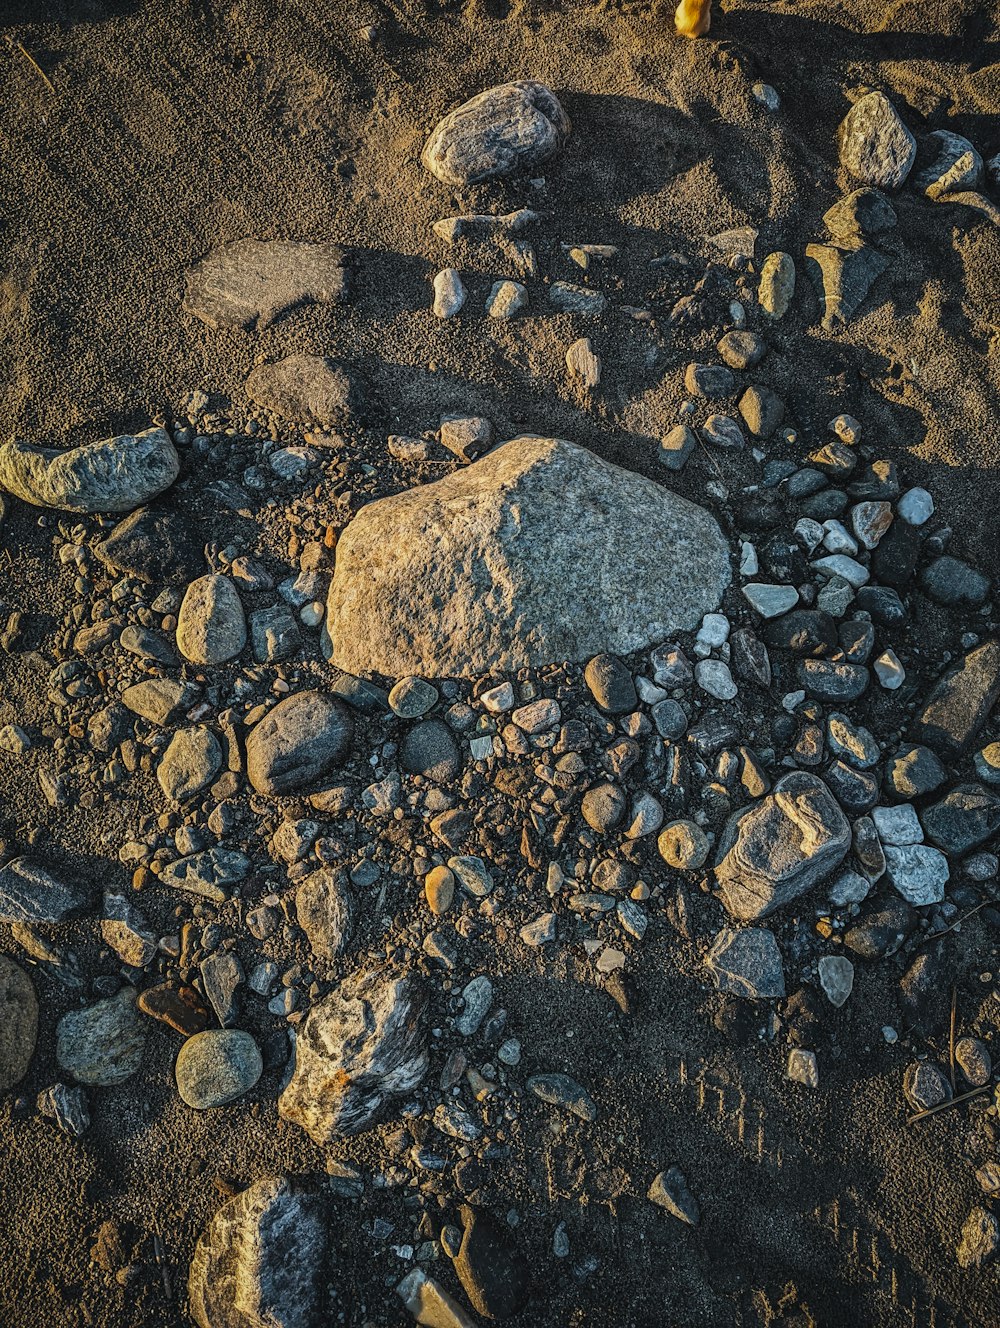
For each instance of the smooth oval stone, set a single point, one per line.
(18, 1023)
(508, 128)
(115, 475)
(216, 1067)
(300, 741)
(211, 625)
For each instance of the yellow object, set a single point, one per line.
(693, 18)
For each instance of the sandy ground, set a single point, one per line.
(172, 127)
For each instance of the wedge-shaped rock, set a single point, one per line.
(960, 702)
(538, 553)
(509, 128)
(843, 278)
(780, 847)
(116, 475)
(358, 1047)
(30, 893)
(251, 282)
(261, 1261)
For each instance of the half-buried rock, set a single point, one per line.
(116, 475)
(249, 283)
(261, 1261)
(541, 552)
(302, 387)
(513, 127)
(18, 1023)
(780, 847)
(300, 741)
(360, 1046)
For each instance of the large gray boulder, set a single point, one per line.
(362, 1044)
(875, 146)
(115, 475)
(251, 282)
(780, 847)
(513, 127)
(260, 1262)
(538, 553)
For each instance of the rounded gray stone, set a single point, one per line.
(216, 1067)
(508, 128)
(211, 625)
(192, 760)
(304, 738)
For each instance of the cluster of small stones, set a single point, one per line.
(722, 787)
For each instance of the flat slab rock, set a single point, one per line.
(358, 1047)
(778, 848)
(262, 1260)
(541, 552)
(251, 282)
(115, 475)
(512, 127)
(302, 387)
(960, 701)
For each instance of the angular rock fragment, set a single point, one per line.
(207, 873)
(875, 146)
(918, 872)
(430, 1304)
(102, 1044)
(323, 909)
(303, 387)
(67, 1107)
(960, 702)
(559, 1090)
(494, 567)
(747, 963)
(780, 847)
(153, 545)
(251, 282)
(262, 1261)
(116, 475)
(953, 165)
(670, 1190)
(358, 1047)
(509, 128)
(493, 1272)
(963, 819)
(864, 212)
(843, 278)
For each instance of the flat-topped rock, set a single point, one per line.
(251, 282)
(540, 552)
(960, 702)
(509, 128)
(302, 387)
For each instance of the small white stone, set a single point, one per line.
(918, 872)
(838, 539)
(449, 293)
(898, 825)
(648, 691)
(810, 532)
(915, 507)
(839, 564)
(889, 671)
(714, 630)
(848, 888)
(481, 748)
(498, 700)
(737, 314)
(771, 601)
(802, 1067)
(749, 562)
(713, 676)
(792, 700)
(311, 615)
(890, 1034)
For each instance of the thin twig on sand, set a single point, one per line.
(37, 67)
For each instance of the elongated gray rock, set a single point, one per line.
(875, 146)
(360, 1046)
(115, 475)
(323, 909)
(538, 553)
(780, 847)
(251, 282)
(18, 1023)
(29, 892)
(512, 127)
(302, 387)
(261, 1261)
